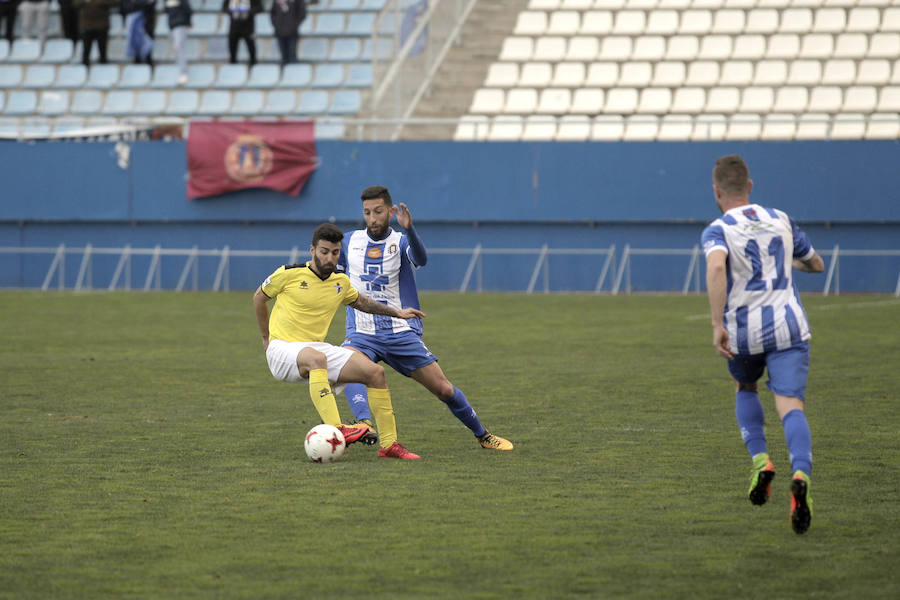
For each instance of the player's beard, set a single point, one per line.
(323, 270)
(378, 230)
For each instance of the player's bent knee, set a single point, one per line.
(309, 359)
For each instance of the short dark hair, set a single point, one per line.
(731, 175)
(327, 232)
(376, 191)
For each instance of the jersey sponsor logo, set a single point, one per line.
(374, 279)
(374, 252)
(248, 159)
(267, 282)
(304, 285)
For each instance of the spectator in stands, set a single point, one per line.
(243, 27)
(35, 19)
(140, 18)
(179, 13)
(93, 17)
(68, 15)
(287, 16)
(8, 11)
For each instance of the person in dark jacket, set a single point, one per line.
(93, 21)
(9, 10)
(287, 15)
(179, 13)
(243, 26)
(68, 16)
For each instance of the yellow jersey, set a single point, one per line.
(305, 303)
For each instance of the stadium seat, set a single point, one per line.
(215, 49)
(783, 45)
(736, 73)
(812, 126)
(860, 99)
(231, 77)
(748, 47)
(688, 100)
(662, 22)
(682, 47)
(536, 74)
(263, 25)
(531, 23)
(472, 128)
(825, 99)
(649, 47)
(629, 22)
(615, 48)
(863, 20)
(263, 76)
(607, 128)
(703, 73)
(205, 24)
(135, 76)
(53, 103)
(883, 127)
(361, 24)
(549, 48)
(757, 99)
(24, 51)
(791, 99)
(517, 49)
(67, 124)
(312, 102)
(695, 22)
(487, 101)
(850, 45)
(621, 101)
(4, 49)
(839, 72)
(69, 76)
(345, 5)
(762, 20)
(728, 21)
(830, 20)
(641, 128)
(770, 72)
(569, 74)
(889, 99)
(582, 48)
(744, 127)
(502, 74)
(596, 22)
(675, 128)
(35, 127)
(716, 47)
(57, 51)
(796, 20)
(313, 49)
(539, 128)
(214, 102)
(873, 72)
(39, 76)
(165, 76)
(635, 74)
(280, 103)
(328, 75)
(654, 100)
(884, 45)
(668, 74)
(345, 50)
(890, 20)
(564, 22)
(329, 24)
(183, 102)
(709, 127)
(722, 100)
(86, 102)
(520, 101)
(588, 101)
(385, 49)
(602, 74)
(150, 102)
(330, 129)
(554, 101)
(200, 76)
(295, 76)
(573, 128)
(119, 102)
(103, 77)
(247, 103)
(778, 126)
(805, 72)
(505, 128)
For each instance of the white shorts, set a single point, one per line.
(282, 359)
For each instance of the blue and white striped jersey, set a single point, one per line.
(763, 312)
(381, 269)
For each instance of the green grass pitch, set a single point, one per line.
(148, 453)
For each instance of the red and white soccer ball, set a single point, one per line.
(324, 443)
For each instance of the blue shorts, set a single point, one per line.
(404, 352)
(788, 369)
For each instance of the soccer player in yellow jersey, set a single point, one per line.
(293, 336)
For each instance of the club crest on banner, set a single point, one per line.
(248, 159)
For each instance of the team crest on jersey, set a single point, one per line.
(338, 288)
(374, 252)
(392, 249)
(303, 285)
(248, 159)
(750, 213)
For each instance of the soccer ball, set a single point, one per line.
(324, 443)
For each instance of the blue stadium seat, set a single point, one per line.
(216, 49)
(362, 23)
(183, 102)
(280, 102)
(295, 76)
(36, 127)
(205, 24)
(329, 24)
(4, 48)
(70, 76)
(165, 76)
(263, 25)
(306, 28)
(214, 102)
(2, 100)
(345, 50)
(103, 77)
(328, 75)
(359, 76)
(247, 103)
(201, 76)
(344, 5)
(39, 76)
(116, 25)
(312, 102)
(330, 130)
(210, 6)
(135, 76)
(387, 26)
(86, 102)
(57, 51)
(53, 103)
(191, 49)
(9, 126)
(10, 76)
(150, 102)
(345, 102)
(162, 27)
(25, 51)
(385, 49)
(375, 5)
(263, 76)
(68, 124)
(118, 102)
(162, 49)
(20, 102)
(313, 49)
(231, 77)
(115, 51)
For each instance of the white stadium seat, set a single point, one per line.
(517, 48)
(889, 99)
(682, 47)
(830, 20)
(778, 126)
(535, 74)
(860, 98)
(851, 45)
(716, 47)
(621, 101)
(791, 99)
(668, 74)
(817, 45)
(596, 22)
(736, 72)
(538, 128)
(635, 74)
(583, 48)
(564, 22)
(675, 128)
(602, 74)
(848, 126)
(722, 100)
(531, 23)
(863, 20)
(615, 48)
(655, 100)
(641, 128)
(472, 128)
(884, 45)
(695, 22)
(688, 100)
(890, 20)
(573, 128)
(757, 99)
(750, 47)
(550, 48)
(505, 129)
(783, 45)
(873, 72)
(883, 126)
(702, 73)
(805, 72)
(745, 126)
(709, 127)
(796, 20)
(730, 21)
(608, 128)
(662, 22)
(825, 99)
(588, 101)
(569, 74)
(502, 74)
(629, 22)
(487, 101)
(770, 72)
(762, 20)
(649, 47)
(554, 101)
(520, 101)
(812, 126)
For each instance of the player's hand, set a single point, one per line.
(411, 313)
(404, 218)
(720, 342)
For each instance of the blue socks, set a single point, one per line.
(358, 399)
(752, 421)
(799, 441)
(463, 411)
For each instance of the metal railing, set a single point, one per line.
(472, 280)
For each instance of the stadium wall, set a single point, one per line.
(499, 195)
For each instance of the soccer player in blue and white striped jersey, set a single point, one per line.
(759, 324)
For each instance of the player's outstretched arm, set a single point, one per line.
(814, 264)
(261, 308)
(366, 304)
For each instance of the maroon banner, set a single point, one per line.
(224, 156)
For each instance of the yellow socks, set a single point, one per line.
(383, 411)
(323, 397)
